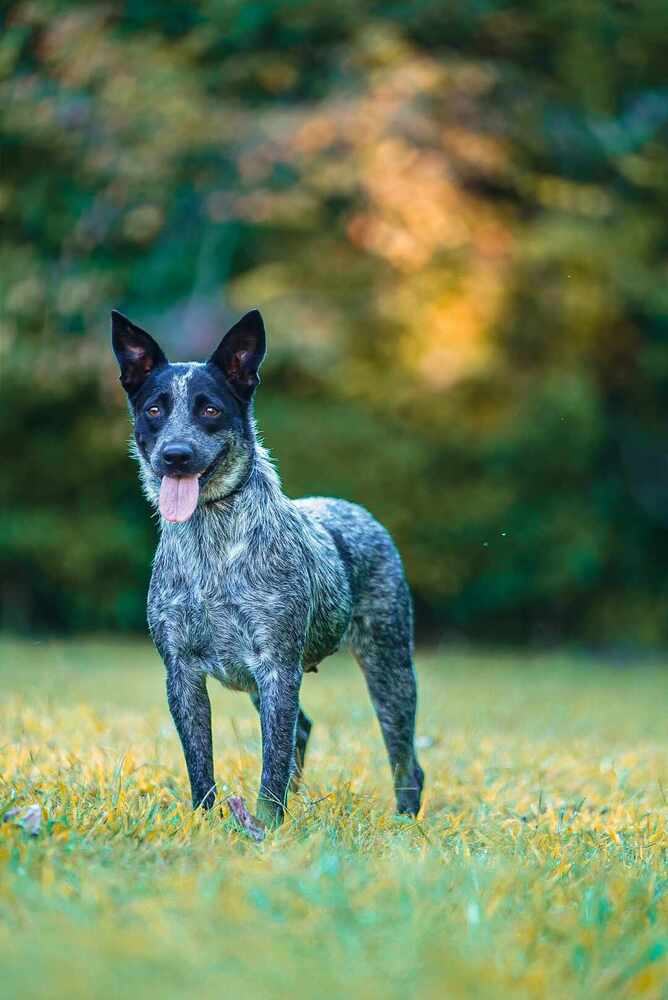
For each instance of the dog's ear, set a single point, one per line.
(136, 352)
(240, 353)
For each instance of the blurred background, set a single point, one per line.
(453, 218)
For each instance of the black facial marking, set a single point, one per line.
(181, 392)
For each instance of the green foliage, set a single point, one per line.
(454, 222)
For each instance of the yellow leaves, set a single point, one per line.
(445, 339)
(449, 249)
(315, 134)
(474, 149)
(143, 223)
(562, 868)
(403, 160)
(645, 981)
(415, 208)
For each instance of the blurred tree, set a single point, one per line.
(454, 220)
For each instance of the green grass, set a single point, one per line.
(538, 867)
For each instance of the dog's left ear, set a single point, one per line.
(240, 354)
(136, 352)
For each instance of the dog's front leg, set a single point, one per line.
(278, 693)
(191, 710)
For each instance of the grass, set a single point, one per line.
(538, 867)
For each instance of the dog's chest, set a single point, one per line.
(235, 602)
(200, 611)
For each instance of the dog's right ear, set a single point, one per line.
(136, 352)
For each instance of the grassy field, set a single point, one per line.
(538, 867)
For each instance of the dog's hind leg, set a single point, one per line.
(382, 646)
(304, 726)
(390, 679)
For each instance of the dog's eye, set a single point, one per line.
(210, 411)
(153, 411)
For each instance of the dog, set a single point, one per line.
(248, 586)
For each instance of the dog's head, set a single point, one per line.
(192, 422)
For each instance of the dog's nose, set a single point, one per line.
(177, 454)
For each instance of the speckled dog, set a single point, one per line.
(248, 586)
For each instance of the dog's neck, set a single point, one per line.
(258, 484)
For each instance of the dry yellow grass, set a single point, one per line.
(538, 868)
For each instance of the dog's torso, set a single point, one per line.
(259, 582)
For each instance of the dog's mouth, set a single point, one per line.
(179, 495)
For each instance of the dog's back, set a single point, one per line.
(371, 562)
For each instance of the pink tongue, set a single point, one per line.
(178, 497)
